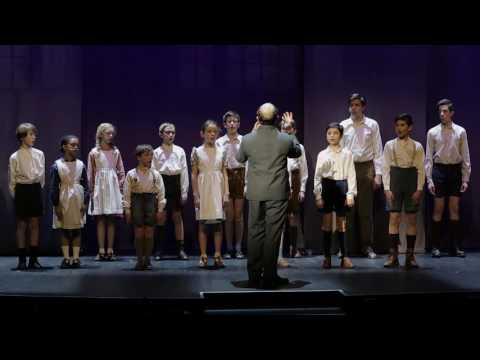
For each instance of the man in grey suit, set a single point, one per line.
(266, 149)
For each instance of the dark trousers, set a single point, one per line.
(360, 219)
(265, 224)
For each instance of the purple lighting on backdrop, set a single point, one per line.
(71, 89)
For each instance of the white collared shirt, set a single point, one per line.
(138, 183)
(447, 145)
(404, 154)
(26, 166)
(364, 141)
(172, 163)
(231, 148)
(299, 163)
(335, 165)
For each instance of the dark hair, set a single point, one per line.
(66, 140)
(447, 102)
(404, 117)
(229, 114)
(23, 129)
(144, 148)
(357, 96)
(335, 125)
(208, 123)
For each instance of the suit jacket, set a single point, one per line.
(266, 150)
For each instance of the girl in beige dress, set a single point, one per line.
(106, 176)
(210, 190)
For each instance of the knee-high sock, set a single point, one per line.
(139, 247)
(394, 241)
(456, 234)
(327, 242)
(411, 242)
(160, 238)
(180, 245)
(436, 234)
(238, 235)
(22, 254)
(148, 247)
(341, 243)
(33, 253)
(229, 233)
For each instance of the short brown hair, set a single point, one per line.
(23, 129)
(447, 102)
(144, 148)
(357, 96)
(335, 125)
(230, 114)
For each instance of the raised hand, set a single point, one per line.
(287, 116)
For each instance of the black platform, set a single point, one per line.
(180, 287)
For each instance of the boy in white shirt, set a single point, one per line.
(170, 161)
(448, 168)
(144, 202)
(335, 187)
(403, 180)
(26, 180)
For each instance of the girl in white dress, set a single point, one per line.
(69, 196)
(106, 175)
(210, 190)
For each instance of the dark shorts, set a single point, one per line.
(293, 203)
(144, 209)
(447, 179)
(173, 192)
(403, 183)
(236, 182)
(71, 234)
(28, 200)
(334, 194)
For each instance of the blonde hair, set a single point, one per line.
(162, 127)
(100, 130)
(23, 129)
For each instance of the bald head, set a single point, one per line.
(267, 113)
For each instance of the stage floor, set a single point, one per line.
(175, 279)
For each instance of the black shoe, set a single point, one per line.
(22, 265)
(255, 283)
(33, 264)
(281, 281)
(65, 264)
(139, 266)
(75, 264)
(275, 284)
(269, 285)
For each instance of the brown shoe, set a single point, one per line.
(327, 262)
(346, 263)
(392, 262)
(410, 262)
